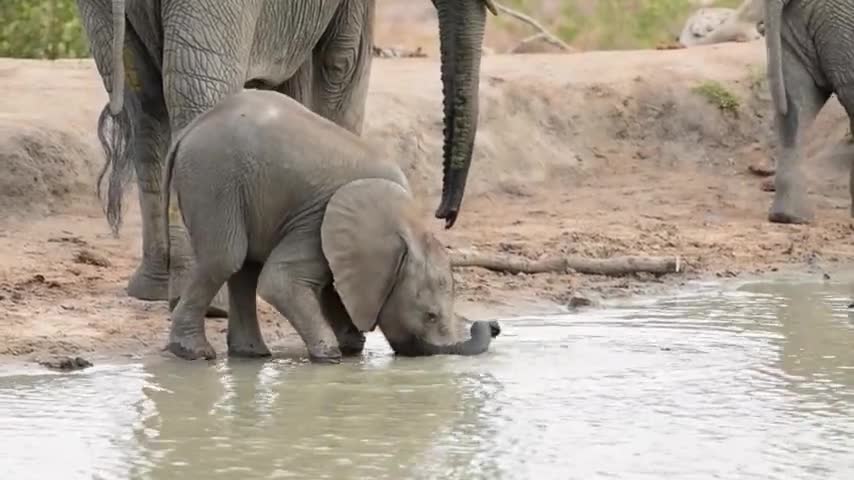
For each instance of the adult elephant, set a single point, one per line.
(164, 62)
(809, 45)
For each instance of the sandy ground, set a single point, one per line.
(598, 154)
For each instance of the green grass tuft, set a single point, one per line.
(718, 95)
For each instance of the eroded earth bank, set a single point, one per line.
(595, 154)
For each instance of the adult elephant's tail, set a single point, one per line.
(774, 52)
(105, 28)
(117, 93)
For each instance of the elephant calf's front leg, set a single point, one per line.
(351, 341)
(287, 283)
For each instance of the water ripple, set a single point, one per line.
(749, 381)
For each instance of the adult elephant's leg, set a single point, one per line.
(342, 63)
(148, 147)
(805, 99)
(299, 85)
(205, 45)
(845, 93)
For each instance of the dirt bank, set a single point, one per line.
(600, 154)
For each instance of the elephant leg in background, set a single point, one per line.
(291, 281)
(805, 99)
(845, 94)
(350, 340)
(342, 63)
(298, 86)
(244, 334)
(147, 112)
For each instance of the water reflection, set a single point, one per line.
(755, 381)
(363, 419)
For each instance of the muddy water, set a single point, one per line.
(753, 381)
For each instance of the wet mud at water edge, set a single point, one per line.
(752, 380)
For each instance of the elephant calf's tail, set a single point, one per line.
(774, 52)
(166, 196)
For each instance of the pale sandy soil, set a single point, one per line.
(600, 153)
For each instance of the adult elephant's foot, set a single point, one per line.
(790, 204)
(788, 211)
(148, 283)
(191, 347)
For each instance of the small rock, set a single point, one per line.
(767, 185)
(89, 257)
(762, 167)
(583, 299)
(65, 363)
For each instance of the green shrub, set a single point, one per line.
(41, 29)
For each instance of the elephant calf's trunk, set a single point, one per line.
(481, 336)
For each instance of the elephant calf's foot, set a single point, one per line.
(147, 283)
(246, 348)
(351, 342)
(324, 354)
(191, 347)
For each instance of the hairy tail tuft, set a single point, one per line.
(115, 133)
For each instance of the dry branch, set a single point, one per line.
(543, 35)
(614, 266)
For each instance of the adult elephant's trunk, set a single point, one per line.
(481, 336)
(118, 75)
(774, 53)
(461, 28)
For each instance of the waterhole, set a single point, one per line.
(752, 381)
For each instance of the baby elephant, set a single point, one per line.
(280, 201)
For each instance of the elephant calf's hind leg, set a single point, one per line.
(217, 261)
(244, 334)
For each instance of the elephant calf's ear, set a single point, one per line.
(361, 240)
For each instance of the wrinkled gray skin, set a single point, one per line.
(182, 56)
(810, 48)
(285, 212)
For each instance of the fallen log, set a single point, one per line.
(614, 266)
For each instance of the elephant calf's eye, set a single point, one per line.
(432, 317)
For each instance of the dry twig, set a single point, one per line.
(543, 35)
